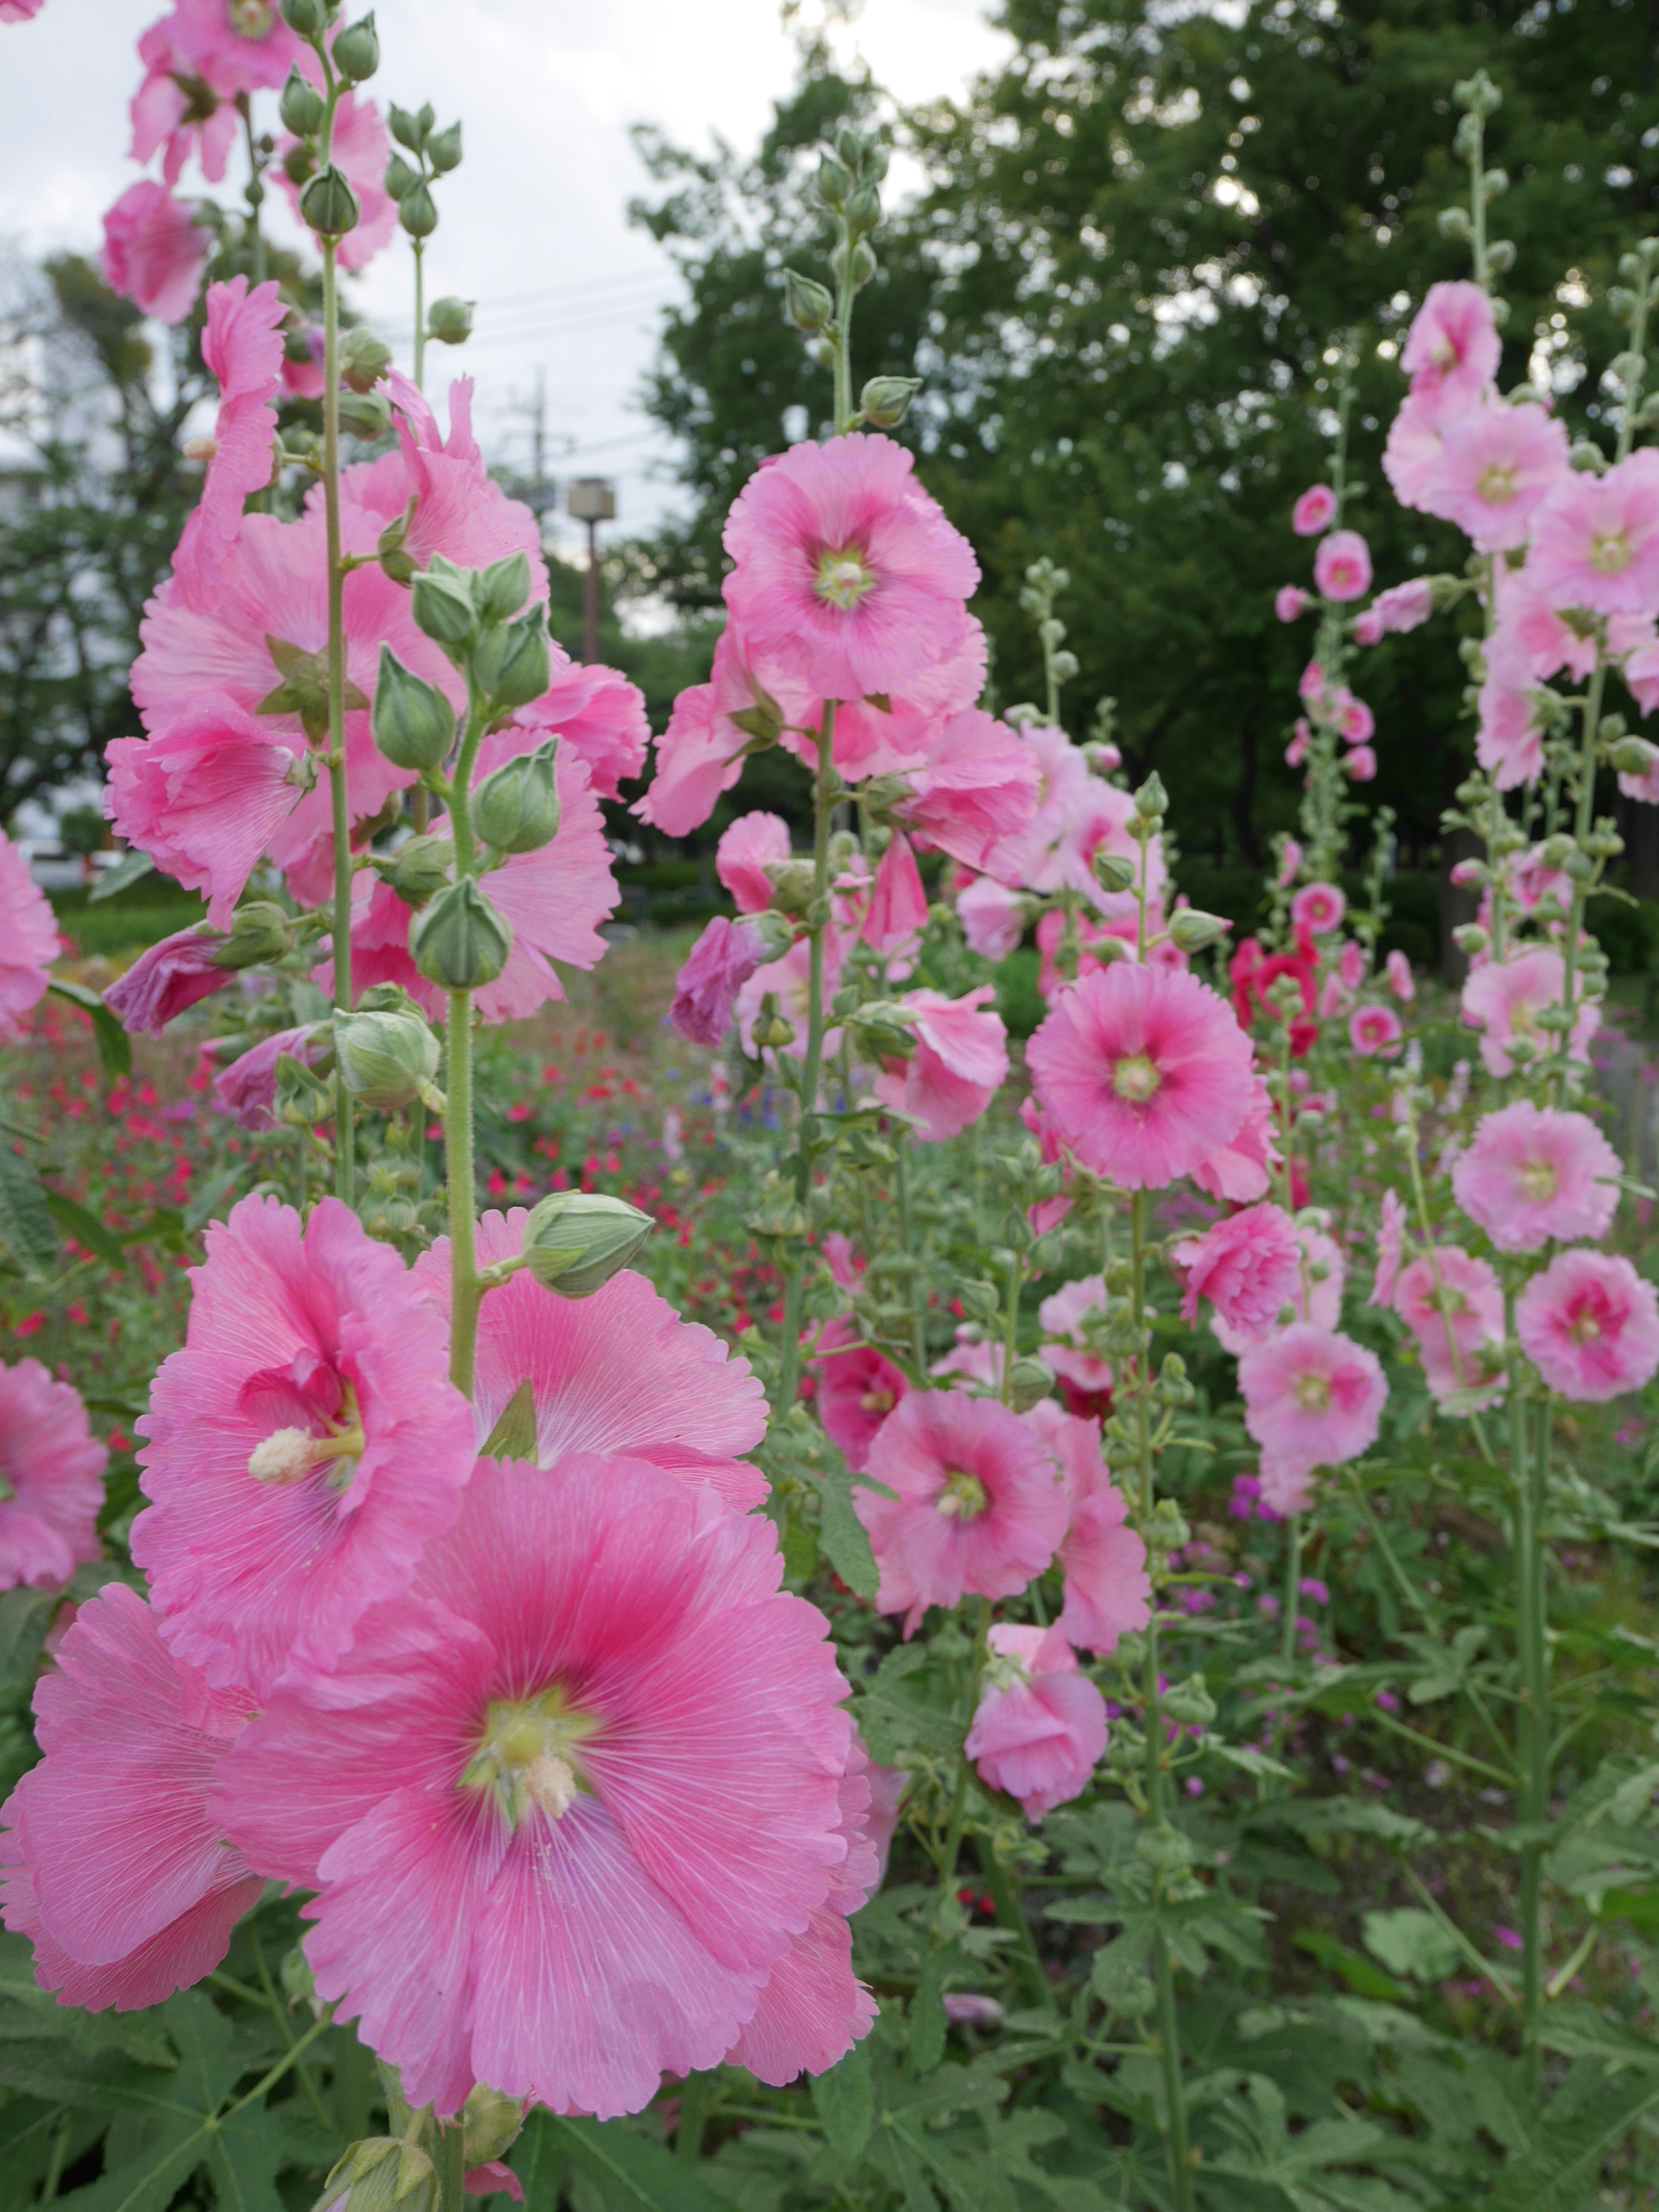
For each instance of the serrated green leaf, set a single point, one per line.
(26, 1228)
(1579, 2031)
(246, 2156)
(845, 1541)
(631, 2172)
(148, 2182)
(844, 2100)
(1409, 1941)
(514, 1436)
(927, 2013)
(1561, 2164)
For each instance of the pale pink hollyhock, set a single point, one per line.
(1040, 1728)
(1496, 464)
(599, 713)
(1290, 603)
(1550, 641)
(977, 786)
(1342, 566)
(1411, 456)
(205, 796)
(844, 1264)
(1452, 349)
(28, 937)
(857, 1390)
(847, 572)
(165, 979)
(115, 1867)
(1144, 1072)
(993, 918)
(1318, 908)
(247, 1090)
(460, 511)
(1590, 1324)
(1289, 859)
(1641, 673)
(742, 856)
(154, 249)
(1106, 1590)
(888, 733)
(1404, 606)
(1531, 1173)
(897, 912)
(301, 1448)
(1296, 751)
(1595, 543)
(1458, 1322)
(1310, 687)
(618, 1372)
(1502, 999)
(51, 1488)
(716, 969)
(1031, 856)
(1361, 764)
(979, 1505)
(1102, 824)
(1350, 964)
(1314, 512)
(959, 1063)
(1390, 1249)
(1375, 1030)
(242, 344)
(974, 1367)
(566, 1802)
(1061, 1314)
(1248, 1265)
(701, 753)
(1367, 627)
(227, 47)
(360, 149)
(1312, 1397)
(1398, 970)
(1241, 1170)
(1510, 738)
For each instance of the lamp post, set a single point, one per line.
(592, 500)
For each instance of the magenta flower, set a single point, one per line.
(1291, 602)
(1398, 970)
(360, 149)
(959, 1063)
(1040, 1728)
(28, 937)
(618, 1373)
(993, 918)
(1390, 1249)
(600, 714)
(1106, 1592)
(1342, 566)
(1595, 543)
(1375, 1030)
(247, 1090)
(742, 856)
(1502, 1000)
(1319, 908)
(980, 1507)
(847, 573)
(154, 249)
(1458, 1325)
(897, 912)
(302, 1448)
(1452, 350)
(1064, 1349)
(1312, 1398)
(1590, 1324)
(570, 1800)
(242, 344)
(976, 786)
(165, 979)
(1248, 1265)
(114, 1867)
(1496, 464)
(1314, 512)
(857, 1390)
(716, 969)
(1144, 1071)
(1531, 1173)
(51, 1488)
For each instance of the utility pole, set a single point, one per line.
(592, 500)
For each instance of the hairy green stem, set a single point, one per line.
(1293, 1588)
(339, 796)
(1533, 1720)
(1011, 1915)
(419, 248)
(805, 1127)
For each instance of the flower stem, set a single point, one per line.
(696, 2093)
(1293, 1588)
(465, 1294)
(1533, 1718)
(419, 248)
(806, 1123)
(344, 1136)
(449, 2158)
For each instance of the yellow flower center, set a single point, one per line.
(1609, 551)
(1313, 1393)
(1135, 1078)
(843, 578)
(289, 1455)
(1538, 1179)
(876, 1402)
(1583, 1326)
(525, 1756)
(1496, 483)
(963, 1498)
(250, 19)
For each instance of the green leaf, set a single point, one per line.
(846, 1543)
(927, 2014)
(86, 1228)
(1579, 2031)
(114, 1045)
(26, 1228)
(631, 2172)
(25, 1617)
(149, 2182)
(132, 868)
(1562, 2163)
(1412, 1941)
(248, 2153)
(844, 2100)
(514, 1436)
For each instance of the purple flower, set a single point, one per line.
(721, 962)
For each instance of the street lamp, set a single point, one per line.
(592, 500)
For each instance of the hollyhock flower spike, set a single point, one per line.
(302, 1449)
(28, 938)
(1107, 1591)
(1040, 1728)
(360, 149)
(1312, 1398)
(1249, 1265)
(1452, 350)
(242, 344)
(568, 1801)
(1342, 566)
(165, 979)
(1595, 543)
(1453, 1306)
(1315, 512)
(1590, 1324)
(51, 1488)
(959, 1063)
(1510, 737)
(857, 1390)
(718, 966)
(1533, 1173)
(742, 856)
(154, 249)
(1360, 764)
(979, 1506)
(114, 1866)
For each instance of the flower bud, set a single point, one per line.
(441, 603)
(329, 204)
(409, 130)
(383, 2173)
(793, 883)
(387, 1056)
(491, 2124)
(419, 869)
(449, 320)
(1112, 871)
(863, 210)
(1633, 756)
(516, 809)
(458, 940)
(834, 182)
(885, 400)
(503, 588)
(414, 723)
(1152, 800)
(1454, 223)
(417, 210)
(300, 162)
(511, 661)
(301, 106)
(258, 932)
(365, 414)
(1190, 931)
(1030, 1381)
(443, 150)
(308, 17)
(1469, 938)
(885, 1028)
(1190, 1701)
(364, 359)
(356, 51)
(772, 1030)
(300, 1099)
(1167, 1530)
(576, 1240)
(807, 303)
(399, 176)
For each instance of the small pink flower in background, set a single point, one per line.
(959, 1063)
(1510, 739)
(741, 858)
(1312, 1398)
(1249, 1265)
(1404, 606)
(1398, 970)
(1644, 786)
(1290, 603)
(1361, 764)
(979, 1506)
(993, 917)
(1531, 1173)
(897, 913)
(1367, 627)
(1061, 1316)
(1390, 1249)
(1354, 719)
(247, 1090)
(1595, 543)
(1289, 859)
(716, 969)
(1590, 1324)
(1144, 1072)
(115, 1862)
(1465, 1311)
(1040, 1728)
(857, 1390)
(1496, 464)
(28, 937)
(1502, 999)
(51, 1488)
(1350, 964)
(1310, 685)
(242, 344)
(1314, 512)
(1342, 566)
(154, 249)
(1375, 1029)
(360, 149)
(165, 979)
(1452, 350)
(1319, 908)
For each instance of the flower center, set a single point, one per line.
(963, 1498)
(1496, 483)
(250, 19)
(1584, 1327)
(1135, 1078)
(1538, 1179)
(525, 1755)
(876, 1402)
(1313, 1393)
(1609, 551)
(843, 578)
(289, 1455)
(199, 449)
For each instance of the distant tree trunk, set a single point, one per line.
(1249, 845)
(1457, 906)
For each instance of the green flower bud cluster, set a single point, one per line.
(473, 613)
(428, 154)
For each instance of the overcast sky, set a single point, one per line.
(534, 223)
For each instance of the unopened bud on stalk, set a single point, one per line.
(792, 884)
(443, 149)
(1190, 931)
(301, 1099)
(885, 1028)
(1190, 1701)
(329, 204)
(491, 2124)
(383, 2173)
(356, 51)
(1030, 1382)
(409, 130)
(387, 1056)
(442, 606)
(511, 662)
(308, 17)
(419, 869)
(414, 723)
(863, 210)
(259, 933)
(1167, 1530)
(575, 1241)
(772, 1031)
(1470, 937)
(1633, 756)
(885, 400)
(449, 320)
(1112, 872)
(417, 210)
(399, 176)
(458, 940)
(501, 589)
(301, 106)
(807, 304)
(834, 182)
(516, 808)
(1152, 800)
(364, 359)
(365, 414)
(980, 1301)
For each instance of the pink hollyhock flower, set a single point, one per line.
(1106, 1588)
(857, 1390)
(741, 858)
(1312, 1398)
(979, 1506)
(154, 249)
(1310, 686)
(1314, 512)
(959, 1063)
(20, 11)
(1353, 719)
(600, 714)
(1452, 349)
(618, 1373)
(1360, 764)
(718, 966)
(227, 47)
(701, 753)
(1296, 751)
(302, 1446)
(1248, 1265)
(1367, 627)
(977, 786)
(1458, 1324)
(247, 1088)
(1411, 455)
(897, 912)
(891, 733)
(1290, 603)
(1350, 964)
(1242, 1170)
(51, 1488)
(847, 572)
(1318, 908)
(1590, 1324)
(1404, 606)
(460, 511)
(993, 918)
(570, 1800)
(115, 1868)
(28, 937)
(1289, 859)
(1641, 674)
(1031, 856)
(165, 979)
(1398, 970)
(1040, 1728)
(1595, 543)
(205, 796)
(1502, 999)
(844, 1264)
(1496, 464)
(1375, 1029)
(1531, 1173)
(1061, 1314)
(1144, 1071)
(1510, 741)
(1315, 1296)
(790, 978)
(971, 1367)
(1390, 1251)
(242, 344)
(360, 149)
(1342, 566)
